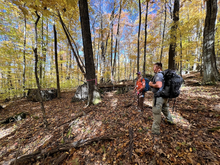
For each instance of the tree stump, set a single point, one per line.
(47, 94)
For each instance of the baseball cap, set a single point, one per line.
(138, 73)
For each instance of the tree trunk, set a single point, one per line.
(87, 48)
(181, 53)
(36, 75)
(112, 23)
(24, 58)
(116, 42)
(78, 59)
(102, 52)
(145, 40)
(56, 61)
(172, 48)
(42, 45)
(164, 28)
(139, 31)
(210, 73)
(118, 60)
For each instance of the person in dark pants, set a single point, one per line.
(160, 104)
(140, 85)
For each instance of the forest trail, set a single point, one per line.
(189, 141)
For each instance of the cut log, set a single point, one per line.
(81, 94)
(47, 94)
(62, 148)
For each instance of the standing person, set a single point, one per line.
(140, 85)
(159, 103)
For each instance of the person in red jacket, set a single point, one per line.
(140, 85)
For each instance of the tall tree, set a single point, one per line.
(56, 60)
(87, 48)
(24, 56)
(111, 28)
(173, 35)
(210, 73)
(164, 28)
(117, 39)
(139, 31)
(102, 48)
(36, 75)
(145, 39)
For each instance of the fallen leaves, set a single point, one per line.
(187, 142)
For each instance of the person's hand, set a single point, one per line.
(151, 83)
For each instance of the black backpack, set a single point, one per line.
(172, 85)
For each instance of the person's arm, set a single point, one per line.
(158, 84)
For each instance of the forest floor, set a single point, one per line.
(189, 141)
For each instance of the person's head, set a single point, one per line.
(157, 67)
(138, 74)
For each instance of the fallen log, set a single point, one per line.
(62, 148)
(75, 117)
(60, 159)
(115, 86)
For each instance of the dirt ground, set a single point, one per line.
(190, 140)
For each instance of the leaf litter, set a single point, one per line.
(188, 141)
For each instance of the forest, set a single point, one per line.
(68, 70)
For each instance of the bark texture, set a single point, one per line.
(172, 48)
(210, 73)
(87, 48)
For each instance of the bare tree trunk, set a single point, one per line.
(118, 60)
(112, 23)
(125, 66)
(87, 48)
(181, 53)
(36, 76)
(139, 31)
(145, 40)
(130, 70)
(24, 57)
(56, 61)
(102, 52)
(210, 73)
(164, 28)
(117, 38)
(78, 59)
(42, 42)
(172, 48)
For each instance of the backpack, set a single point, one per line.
(147, 87)
(172, 85)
